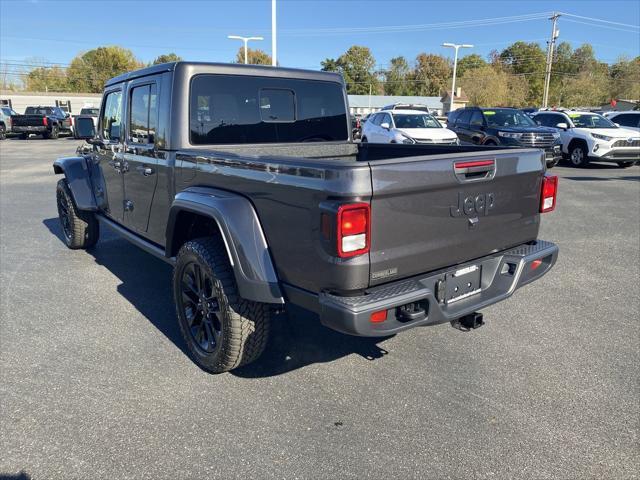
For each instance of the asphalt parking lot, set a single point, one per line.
(94, 381)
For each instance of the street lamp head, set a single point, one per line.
(235, 37)
(466, 45)
(449, 45)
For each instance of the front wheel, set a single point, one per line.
(625, 164)
(80, 229)
(222, 330)
(578, 156)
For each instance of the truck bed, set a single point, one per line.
(413, 191)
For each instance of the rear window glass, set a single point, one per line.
(38, 111)
(243, 109)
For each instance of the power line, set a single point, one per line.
(599, 20)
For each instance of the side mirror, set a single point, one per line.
(84, 128)
(562, 125)
(385, 125)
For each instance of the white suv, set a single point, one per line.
(588, 136)
(406, 126)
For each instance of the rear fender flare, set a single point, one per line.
(242, 233)
(76, 171)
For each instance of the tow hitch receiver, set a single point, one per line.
(472, 321)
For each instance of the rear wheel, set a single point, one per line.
(53, 134)
(79, 229)
(3, 132)
(578, 155)
(625, 164)
(24, 136)
(222, 330)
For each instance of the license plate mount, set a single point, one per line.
(463, 283)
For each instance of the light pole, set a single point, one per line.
(274, 59)
(245, 40)
(455, 66)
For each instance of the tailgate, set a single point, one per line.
(27, 120)
(427, 214)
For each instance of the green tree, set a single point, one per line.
(89, 71)
(491, 86)
(254, 56)
(527, 59)
(46, 79)
(625, 79)
(398, 78)
(166, 58)
(432, 74)
(470, 62)
(357, 66)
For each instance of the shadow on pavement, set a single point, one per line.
(634, 178)
(297, 337)
(22, 475)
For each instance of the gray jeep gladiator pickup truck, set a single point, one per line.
(247, 181)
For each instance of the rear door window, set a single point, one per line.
(464, 117)
(143, 114)
(227, 109)
(476, 119)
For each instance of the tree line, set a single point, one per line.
(513, 76)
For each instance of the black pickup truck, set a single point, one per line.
(246, 180)
(46, 121)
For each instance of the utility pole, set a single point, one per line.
(274, 60)
(455, 67)
(551, 46)
(245, 40)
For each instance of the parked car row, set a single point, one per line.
(50, 122)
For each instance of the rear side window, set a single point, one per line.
(476, 119)
(242, 109)
(112, 116)
(464, 117)
(143, 114)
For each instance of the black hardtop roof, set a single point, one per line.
(237, 68)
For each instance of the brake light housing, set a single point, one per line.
(549, 193)
(44, 121)
(353, 229)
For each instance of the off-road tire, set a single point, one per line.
(625, 164)
(243, 325)
(82, 230)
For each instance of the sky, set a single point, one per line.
(308, 30)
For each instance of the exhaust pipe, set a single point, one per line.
(471, 322)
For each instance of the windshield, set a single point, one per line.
(415, 120)
(507, 118)
(590, 120)
(90, 111)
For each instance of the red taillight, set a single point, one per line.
(44, 121)
(535, 264)
(378, 317)
(549, 193)
(353, 229)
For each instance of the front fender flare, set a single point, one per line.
(243, 237)
(76, 171)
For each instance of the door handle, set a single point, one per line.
(144, 170)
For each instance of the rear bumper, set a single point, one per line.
(29, 129)
(502, 274)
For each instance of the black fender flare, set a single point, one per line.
(76, 171)
(242, 234)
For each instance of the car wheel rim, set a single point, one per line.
(201, 308)
(577, 156)
(64, 214)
